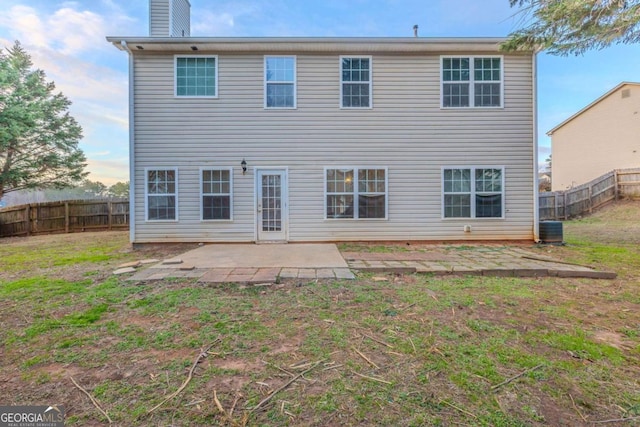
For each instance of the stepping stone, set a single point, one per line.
(175, 261)
(133, 264)
(125, 270)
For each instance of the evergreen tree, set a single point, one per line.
(564, 27)
(38, 138)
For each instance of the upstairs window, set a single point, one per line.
(356, 193)
(355, 82)
(196, 76)
(473, 192)
(471, 82)
(280, 82)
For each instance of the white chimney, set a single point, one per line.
(169, 18)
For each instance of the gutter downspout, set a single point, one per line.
(536, 188)
(132, 170)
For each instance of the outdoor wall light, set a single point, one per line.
(243, 163)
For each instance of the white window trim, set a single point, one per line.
(473, 194)
(472, 81)
(295, 82)
(146, 193)
(370, 58)
(356, 192)
(202, 194)
(175, 77)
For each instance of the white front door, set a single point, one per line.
(272, 204)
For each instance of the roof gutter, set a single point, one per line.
(313, 44)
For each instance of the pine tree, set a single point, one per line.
(38, 138)
(564, 27)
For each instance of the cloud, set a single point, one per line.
(67, 30)
(109, 171)
(24, 24)
(213, 23)
(222, 20)
(76, 31)
(68, 43)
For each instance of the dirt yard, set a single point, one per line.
(402, 350)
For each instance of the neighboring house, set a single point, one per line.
(328, 139)
(603, 136)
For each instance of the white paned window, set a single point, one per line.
(216, 194)
(471, 82)
(161, 187)
(356, 193)
(355, 82)
(196, 76)
(473, 192)
(280, 82)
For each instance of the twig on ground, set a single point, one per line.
(218, 404)
(577, 410)
(297, 365)
(287, 384)
(332, 367)
(617, 420)
(409, 306)
(278, 368)
(366, 358)
(377, 340)
(319, 296)
(413, 345)
(458, 409)
(379, 380)
(195, 402)
(95, 403)
(515, 377)
(235, 402)
(201, 355)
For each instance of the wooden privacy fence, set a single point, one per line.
(68, 216)
(587, 197)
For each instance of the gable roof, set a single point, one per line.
(597, 101)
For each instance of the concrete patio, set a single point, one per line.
(255, 264)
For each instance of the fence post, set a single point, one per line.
(110, 207)
(590, 198)
(555, 206)
(66, 217)
(564, 201)
(615, 183)
(27, 215)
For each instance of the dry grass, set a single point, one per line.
(408, 351)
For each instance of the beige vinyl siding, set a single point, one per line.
(600, 139)
(180, 18)
(159, 18)
(405, 131)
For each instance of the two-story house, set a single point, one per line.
(327, 139)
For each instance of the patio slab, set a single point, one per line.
(312, 255)
(256, 264)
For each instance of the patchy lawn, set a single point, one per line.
(409, 350)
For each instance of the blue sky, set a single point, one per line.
(67, 40)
